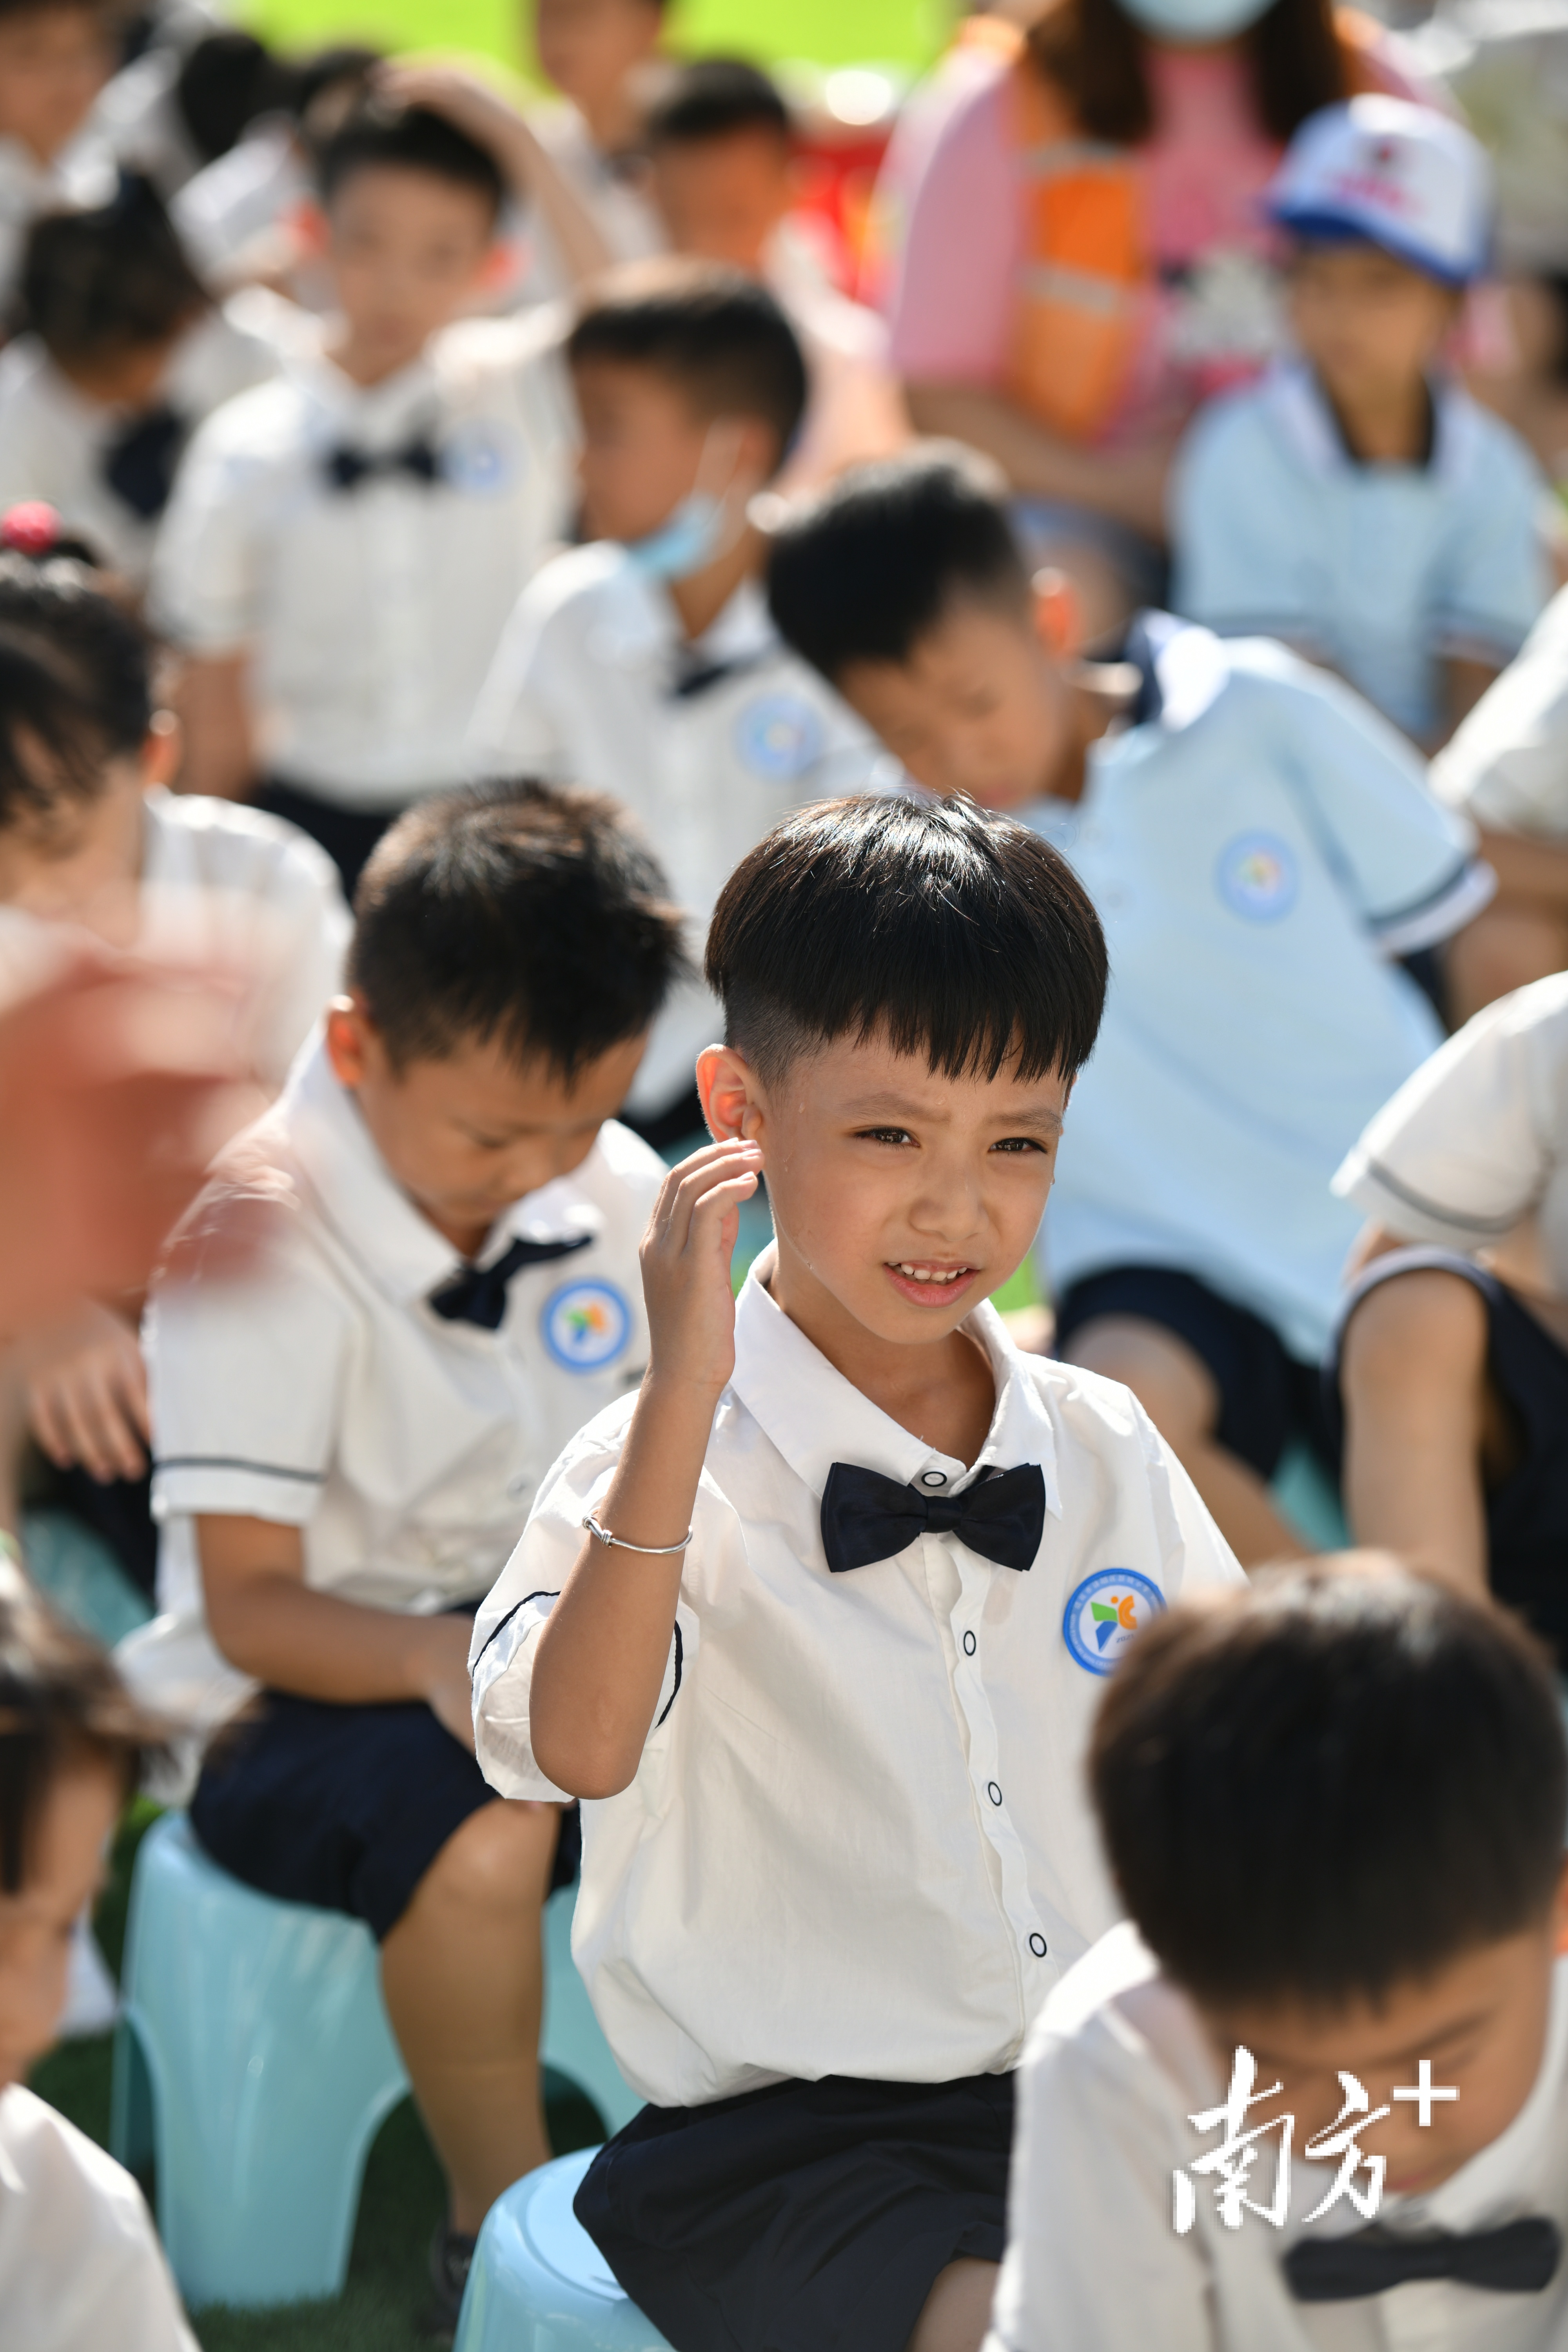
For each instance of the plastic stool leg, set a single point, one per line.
(572, 2039)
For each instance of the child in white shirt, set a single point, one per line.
(348, 1435)
(821, 1667)
(1313, 2097)
(80, 2263)
(601, 56)
(645, 664)
(56, 59)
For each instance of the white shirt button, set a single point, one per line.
(994, 1792)
(1038, 1945)
(933, 1477)
(969, 1645)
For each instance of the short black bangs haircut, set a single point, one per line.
(713, 332)
(950, 932)
(1329, 1785)
(95, 283)
(376, 135)
(713, 98)
(76, 689)
(869, 567)
(515, 912)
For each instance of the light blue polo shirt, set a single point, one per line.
(1378, 571)
(1259, 845)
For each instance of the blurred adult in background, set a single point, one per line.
(601, 56)
(1087, 255)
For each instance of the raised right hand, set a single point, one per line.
(686, 1256)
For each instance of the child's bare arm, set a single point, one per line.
(213, 706)
(267, 1621)
(602, 1655)
(1465, 680)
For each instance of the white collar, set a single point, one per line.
(370, 1212)
(376, 413)
(1295, 400)
(638, 626)
(83, 173)
(815, 1417)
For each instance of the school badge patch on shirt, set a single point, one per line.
(585, 1325)
(778, 737)
(480, 457)
(1257, 877)
(1103, 1614)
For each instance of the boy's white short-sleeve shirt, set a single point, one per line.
(1507, 763)
(1378, 571)
(318, 1387)
(370, 613)
(708, 743)
(1259, 845)
(859, 1841)
(1473, 1152)
(1116, 2065)
(80, 2266)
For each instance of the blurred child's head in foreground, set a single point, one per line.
(903, 583)
(720, 150)
(910, 989)
(1334, 1806)
(72, 1744)
(512, 945)
(108, 293)
(54, 58)
(689, 385)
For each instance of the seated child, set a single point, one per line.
(1260, 846)
(1506, 769)
(721, 161)
(349, 1437)
(600, 56)
(79, 2262)
(345, 545)
(91, 837)
(827, 1716)
(122, 355)
(1453, 1355)
(1334, 1807)
(1358, 503)
(55, 57)
(646, 665)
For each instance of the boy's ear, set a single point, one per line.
(350, 1039)
(161, 748)
(1059, 616)
(309, 223)
(727, 1088)
(499, 266)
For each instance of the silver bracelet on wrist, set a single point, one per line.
(655, 1551)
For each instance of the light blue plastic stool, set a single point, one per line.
(539, 2283)
(255, 2063)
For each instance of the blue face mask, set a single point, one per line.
(692, 537)
(1194, 22)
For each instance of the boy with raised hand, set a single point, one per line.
(1334, 1807)
(1262, 847)
(600, 58)
(823, 1664)
(347, 1437)
(646, 665)
(1357, 503)
(345, 545)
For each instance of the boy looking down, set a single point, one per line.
(347, 1438)
(1260, 847)
(821, 1666)
(1333, 1805)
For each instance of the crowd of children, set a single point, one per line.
(497, 522)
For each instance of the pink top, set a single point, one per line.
(1214, 316)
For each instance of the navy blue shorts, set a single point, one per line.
(344, 1807)
(809, 2217)
(1266, 1396)
(1527, 1514)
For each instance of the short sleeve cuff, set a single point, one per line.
(1445, 908)
(232, 1487)
(1403, 1209)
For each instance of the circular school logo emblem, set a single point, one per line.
(1257, 877)
(778, 738)
(1105, 1612)
(478, 457)
(585, 1325)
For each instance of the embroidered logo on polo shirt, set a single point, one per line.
(585, 1325)
(1257, 877)
(478, 457)
(778, 737)
(1104, 1613)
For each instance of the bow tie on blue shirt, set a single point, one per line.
(867, 1517)
(1520, 2258)
(478, 1295)
(139, 463)
(347, 467)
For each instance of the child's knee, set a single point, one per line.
(1169, 1378)
(497, 1864)
(1424, 1331)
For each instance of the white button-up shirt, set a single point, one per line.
(708, 743)
(372, 614)
(1115, 2067)
(857, 1841)
(319, 1388)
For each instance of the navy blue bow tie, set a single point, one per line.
(478, 1295)
(1520, 2258)
(347, 467)
(139, 463)
(867, 1517)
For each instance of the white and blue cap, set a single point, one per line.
(1402, 176)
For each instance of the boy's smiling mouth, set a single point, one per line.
(927, 1282)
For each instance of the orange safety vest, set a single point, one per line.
(1086, 267)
